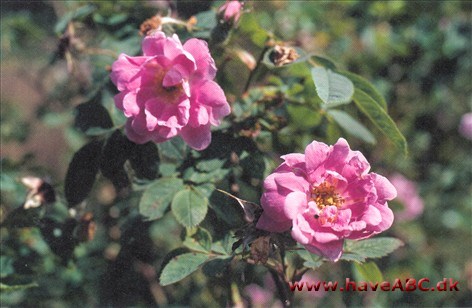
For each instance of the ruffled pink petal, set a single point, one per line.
(331, 250)
(118, 98)
(185, 63)
(372, 216)
(210, 94)
(173, 47)
(291, 182)
(342, 222)
(130, 105)
(385, 189)
(324, 235)
(273, 204)
(206, 67)
(387, 218)
(153, 44)
(198, 116)
(125, 72)
(356, 166)
(166, 114)
(172, 77)
(266, 223)
(164, 133)
(197, 138)
(295, 203)
(294, 160)
(338, 155)
(301, 230)
(315, 157)
(135, 136)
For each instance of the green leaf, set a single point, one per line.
(210, 165)
(348, 256)
(145, 160)
(381, 119)
(352, 126)
(98, 131)
(202, 177)
(91, 115)
(205, 22)
(368, 272)
(364, 85)
(303, 117)
(116, 151)
(8, 288)
(173, 149)
(82, 171)
(199, 241)
(249, 27)
(181, 266)
(189, 207)
(225, 245)
(157, 197)
(216, 267)
(333, 89)
(373, 248)
(328, 63)
(6, 266)
(311, 260)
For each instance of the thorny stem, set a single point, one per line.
(253, 72)
(99, 51)
(285, 294)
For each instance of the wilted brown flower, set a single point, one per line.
(282, 55)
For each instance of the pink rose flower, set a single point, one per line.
(230, 11)
(465, 127)
(324, 196)
(169, 91)
(408, 196)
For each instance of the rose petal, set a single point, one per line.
(266, 223)
(331, 250)
(295, 203)
(205, 64)
(125, 71)
(197, 138)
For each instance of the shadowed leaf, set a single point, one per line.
(82, 172)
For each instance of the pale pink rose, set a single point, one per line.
(259, 296)
(264, 296)
(465, 127)
(311, 278)
(408, 196)
(324, 196)
(230, 11)
(169, 91)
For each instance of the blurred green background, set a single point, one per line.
(417, 53)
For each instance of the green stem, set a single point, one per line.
(253, 72)
(285, 295)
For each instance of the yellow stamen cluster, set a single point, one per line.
(324, 195)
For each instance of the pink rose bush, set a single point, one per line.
(169, 91)
(408, 196)
(230, 11)
(324, 196)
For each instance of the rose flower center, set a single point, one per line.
(324, 195)
(170, 94)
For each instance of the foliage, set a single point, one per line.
(149, 224)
